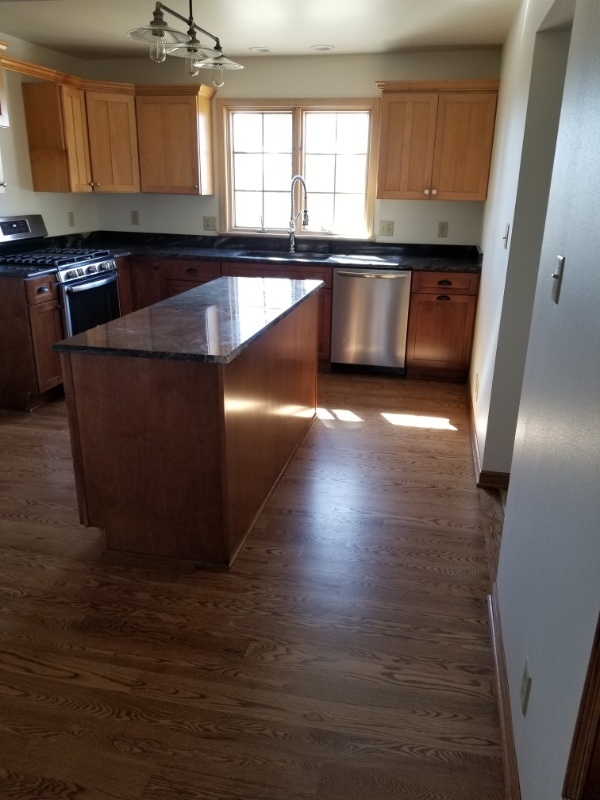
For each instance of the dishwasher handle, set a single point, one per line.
(387, 275)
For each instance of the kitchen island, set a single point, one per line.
(184, 415)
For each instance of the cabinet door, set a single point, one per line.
(46, 329)
(125, 285)
(408, 122)
(463, 146)
(113, 142)
(76, 139)
(440, 332)
(168, 144)
(146, 282)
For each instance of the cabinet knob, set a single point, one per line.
(43, 290)
(425, 191)
(96, 184)
(444, 283)
(192, 271)
(92, 184)
(443, 297)
(3, 184)
(434, 191)
(195, 186)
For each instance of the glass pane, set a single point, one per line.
(352, 132)
(247, 133)
(351, 173)
(248, 209)
(320, 132)
(278, 133)
(319, 173)
(320, 212)
(277, 209)
(350, 215)
(278, 172)
(248, 172)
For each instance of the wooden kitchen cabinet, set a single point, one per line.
(436, 139)
(30, 323)
(81, 141)
(258, 270)
(180, 275)
(440, 324)
(125, 285)
(175, 138)
(46, 329)
(58, 138)
(113, 142)
(146, 282)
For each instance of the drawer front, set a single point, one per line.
(190, 270)
(293, 271)
(445, 282)
(40, 290)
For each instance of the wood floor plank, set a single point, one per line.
(347, 654)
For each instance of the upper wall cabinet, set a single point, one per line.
(436, 139)
(175, 138)
(81, 141)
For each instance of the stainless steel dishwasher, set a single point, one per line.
(369, 318)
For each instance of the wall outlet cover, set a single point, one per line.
(442, 229)
(135, 217)
(386, 228)
(210, 223)
(71, 218)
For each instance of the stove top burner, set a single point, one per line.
(54, 257)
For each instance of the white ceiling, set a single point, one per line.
(97, 28)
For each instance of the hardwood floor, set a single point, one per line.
(346, 656)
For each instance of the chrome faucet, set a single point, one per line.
(294, 214)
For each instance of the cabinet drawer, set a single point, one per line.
(445, 282)
(40, 290)
(190, 270)
(293, 271)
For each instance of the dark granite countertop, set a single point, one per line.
(334, 252)
(211, 323)
(25, 272)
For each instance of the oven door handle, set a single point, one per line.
(82, 287)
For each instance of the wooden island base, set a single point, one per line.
(175, 458)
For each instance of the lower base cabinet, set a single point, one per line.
(440, 325)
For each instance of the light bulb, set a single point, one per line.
(158, 51)
(218, 77)
(190, 65)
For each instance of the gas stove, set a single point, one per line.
(69, 263)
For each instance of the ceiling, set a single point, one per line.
(94, 29)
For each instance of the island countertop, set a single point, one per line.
(211, 323)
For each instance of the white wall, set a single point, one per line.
(317, 76)
(549, 571)
(521, 167)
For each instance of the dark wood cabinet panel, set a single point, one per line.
(46, 329)
(440, 324)
(125, 285)
(146, 282)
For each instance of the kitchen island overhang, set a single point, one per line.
(184, 415)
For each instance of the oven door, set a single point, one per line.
(88, 303)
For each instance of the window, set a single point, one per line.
(262, 146)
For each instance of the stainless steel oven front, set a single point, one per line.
(90, 298)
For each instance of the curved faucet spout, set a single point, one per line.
(295, 214)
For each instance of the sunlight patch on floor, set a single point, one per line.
(413, 421)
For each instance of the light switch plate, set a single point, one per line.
(557, 278)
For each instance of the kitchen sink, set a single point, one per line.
(283, 255)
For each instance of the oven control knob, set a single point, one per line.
(90, 270)
(72, 273)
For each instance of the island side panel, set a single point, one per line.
(270, 396)
(150, 444)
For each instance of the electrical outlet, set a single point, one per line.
(442, 229)
(525, 687)
(135, 217)
(71, 218)
(210, 223)
(386, 228)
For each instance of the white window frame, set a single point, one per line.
(224, 111)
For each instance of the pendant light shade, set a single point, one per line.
(165, 41)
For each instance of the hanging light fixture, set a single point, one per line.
(218, 63)
(165, 41)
